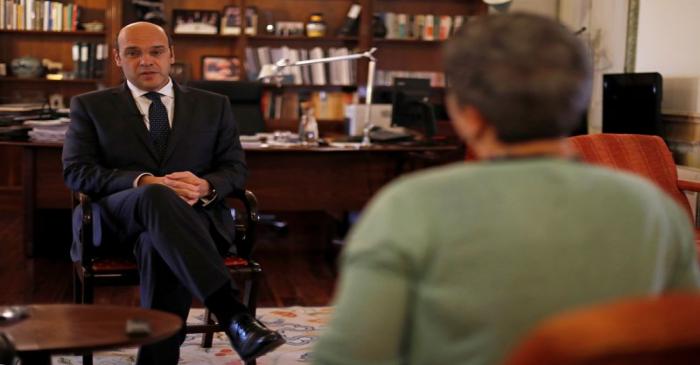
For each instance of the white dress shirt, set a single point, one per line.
(143, 103)
(168, 99)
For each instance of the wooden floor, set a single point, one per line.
(299, 270)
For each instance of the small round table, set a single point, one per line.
(63, 328)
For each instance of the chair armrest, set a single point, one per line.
(689, 185)
(250, 201)
(245, 231)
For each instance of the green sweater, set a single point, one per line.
(454, 265)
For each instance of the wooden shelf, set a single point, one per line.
(434, 89)
(42, 80)
(205, 36)
(348, 88)
(303, 39)
(406, 41)
(48, 33)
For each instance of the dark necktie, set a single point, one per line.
(158, 121)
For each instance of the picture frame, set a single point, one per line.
(223, 68)
(195, 21)
(231, 20)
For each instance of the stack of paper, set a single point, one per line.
(53, 130)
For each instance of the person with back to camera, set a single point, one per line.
(454, 264)
(159, 159)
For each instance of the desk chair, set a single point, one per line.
(245, 98)
(637, 331)
(7, 351)
(98, 268)
(643, 155)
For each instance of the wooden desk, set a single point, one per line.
(63, 328)
(283, 179)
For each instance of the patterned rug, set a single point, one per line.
(299, 325)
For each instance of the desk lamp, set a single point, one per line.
(274, 70)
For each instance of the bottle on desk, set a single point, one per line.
(308, 127)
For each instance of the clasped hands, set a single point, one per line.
(186, 184)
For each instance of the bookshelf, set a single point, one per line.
(393, 54)
(413, 55)
(56, 46)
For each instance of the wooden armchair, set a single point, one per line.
(644, 155)
(97, 268)
(636, 331)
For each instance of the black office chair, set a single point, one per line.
(245, 97)
(7, 351)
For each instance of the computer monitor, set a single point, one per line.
(411, 106)
(632, 103)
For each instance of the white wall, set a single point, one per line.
(605, 35)
(542, 7)
(667, 38)
(667, 42)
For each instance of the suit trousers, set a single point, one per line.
(175, 252)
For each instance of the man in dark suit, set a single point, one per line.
(159, 158)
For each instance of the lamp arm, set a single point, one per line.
(286, 63)
(368, 102)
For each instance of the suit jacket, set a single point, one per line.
(108, 145)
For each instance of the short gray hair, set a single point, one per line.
(529, 76)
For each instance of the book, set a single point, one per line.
(418, 24)
(402, 26)
(83, 61)
(318, 70)
(101, 54)
(457, 23)
(75, 53)
(350, 24)
(445, 27)
(251, 64)
(429, 28)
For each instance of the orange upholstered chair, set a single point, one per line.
(640, 154)
(637, 331)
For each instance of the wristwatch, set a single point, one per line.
(209, 197)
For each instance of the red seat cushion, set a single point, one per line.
(123, 264)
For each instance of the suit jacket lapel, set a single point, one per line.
(184, 108)
(130, 112)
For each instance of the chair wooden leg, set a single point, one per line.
(88, 297)
(208, 337)
(77, 288)
(250, 292)
(250, 297)
(88, 290)
(87, 358)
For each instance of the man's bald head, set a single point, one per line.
(140, 27)
(144, 53)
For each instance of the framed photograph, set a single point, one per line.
(180, 72)
(231, 21)
(221, 68)
(195, 21)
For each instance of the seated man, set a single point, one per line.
(160, 159)
(453, 265)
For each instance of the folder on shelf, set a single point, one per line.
(318, 70)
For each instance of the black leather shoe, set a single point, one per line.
(250, 338)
